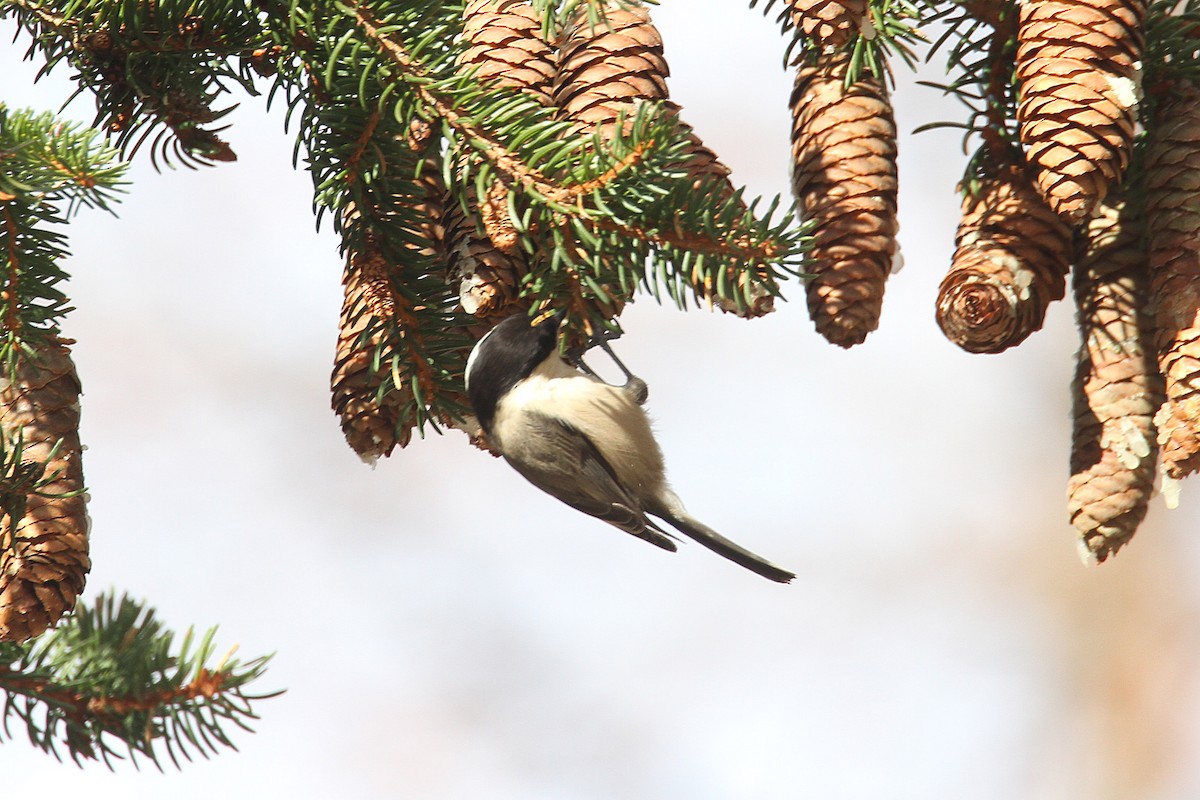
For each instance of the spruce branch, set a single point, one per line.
(46, 164)
(509, 164)
(982, 52)
(111, 679)
(1172, 49)
(47, 159)
(157, 70)
(572, 185)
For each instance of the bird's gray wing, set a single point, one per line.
(561, 461)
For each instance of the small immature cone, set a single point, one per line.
(1173, 234)
(1011, 261)
(844, 175)
(1117, 386)
(1078, 71)
(487, 279)
(44, 558)
(828, 22)
(608, 70)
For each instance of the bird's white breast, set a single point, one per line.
(607, 415)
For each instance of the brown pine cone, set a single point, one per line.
(1173, 234)
(375, 424)
(608, 69)
(1079, 81)
(844, 175)
(371, 423)
(1011, 261)
(828, 22)
(504, 43)
(44, 559)
(1117, 386)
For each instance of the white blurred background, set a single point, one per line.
(446, 631)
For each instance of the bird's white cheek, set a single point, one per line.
(471, 358)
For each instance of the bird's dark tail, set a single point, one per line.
(714, 541)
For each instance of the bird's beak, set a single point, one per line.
(556, 316)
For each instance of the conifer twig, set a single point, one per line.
(502, 158)
(111, 674)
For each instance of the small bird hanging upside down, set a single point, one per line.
(582, 440)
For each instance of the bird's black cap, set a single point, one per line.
(504, 357)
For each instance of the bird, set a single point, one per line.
(582, 440)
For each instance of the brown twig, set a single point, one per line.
(999, 78)
(740, 247)
(80, 706)
(360, 147)
(12, 318)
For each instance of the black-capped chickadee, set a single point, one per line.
(584, 441)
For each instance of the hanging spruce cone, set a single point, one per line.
(1173, 232)
(1011, 261)
(375, 423)
(1079, 79)
(608, 70)
(370, 422)
(844, 175)
(828, 22)
(504, 44)
(1117, 386)
(44, 556)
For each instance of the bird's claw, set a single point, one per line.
(635, 386)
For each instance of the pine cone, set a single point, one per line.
(374, 424)
(44, 561)
(1011, 261)
(1079, 77)
(371, 424)
(1173, 233)
(828, 22)
(504, 43)
(1117, 386)
(844, 175)
(609, 70)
